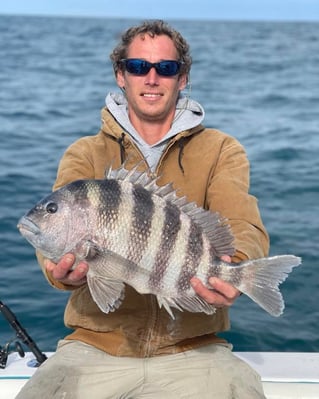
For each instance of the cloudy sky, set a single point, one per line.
(291, 10)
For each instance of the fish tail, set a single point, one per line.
(261, 278)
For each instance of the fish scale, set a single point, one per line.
(132, 231)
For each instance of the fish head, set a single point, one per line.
(57, 223)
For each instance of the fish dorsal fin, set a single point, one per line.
(133, 175)
(213, 225)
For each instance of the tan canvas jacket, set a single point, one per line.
(210, 168)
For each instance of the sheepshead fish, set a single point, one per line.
(132, 231)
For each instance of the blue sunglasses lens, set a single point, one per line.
(142, 67)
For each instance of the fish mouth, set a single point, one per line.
(27, 227)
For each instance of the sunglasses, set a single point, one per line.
(140, 67)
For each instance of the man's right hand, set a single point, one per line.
(63, 271)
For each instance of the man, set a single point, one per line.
(138, 351)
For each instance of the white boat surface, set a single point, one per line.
(285, 375)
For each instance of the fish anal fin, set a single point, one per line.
(192, 304)
(162, 302)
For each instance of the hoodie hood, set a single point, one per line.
(188, 114)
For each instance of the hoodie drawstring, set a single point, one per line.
(181, 153)
(120, 140)
(181, 143)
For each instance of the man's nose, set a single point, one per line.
(152, 77)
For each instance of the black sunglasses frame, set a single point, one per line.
(140, 67)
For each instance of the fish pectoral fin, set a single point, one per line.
(106, 292)
(192, 304)
(86, 249)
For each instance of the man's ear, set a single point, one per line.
(120, 79)
(183, 80)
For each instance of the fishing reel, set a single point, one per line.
(7, 349)
(21, 335)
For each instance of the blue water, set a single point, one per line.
(257, 81)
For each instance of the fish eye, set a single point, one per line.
(51, 207)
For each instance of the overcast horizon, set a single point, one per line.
(268, 10)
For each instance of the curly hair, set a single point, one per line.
(152, 28)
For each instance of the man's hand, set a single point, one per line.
(223, 294)
(63, 271)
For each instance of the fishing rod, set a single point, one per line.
(22, 335)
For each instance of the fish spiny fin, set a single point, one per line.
(164, 302)
(145, 178)
(214, 226)
(192, 304)
(109, 170)
(133, 175)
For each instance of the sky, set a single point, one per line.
(282, 10)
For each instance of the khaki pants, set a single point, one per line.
(80, 371)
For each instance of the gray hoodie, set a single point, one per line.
(188, 114)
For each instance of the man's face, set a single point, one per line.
(151, 97)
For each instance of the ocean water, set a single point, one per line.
(258, 81)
